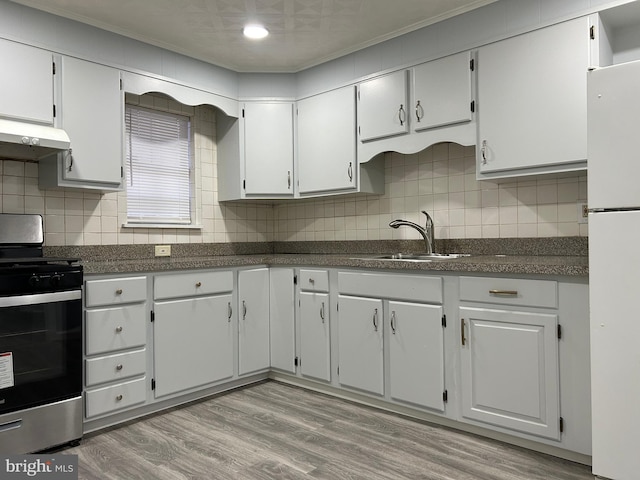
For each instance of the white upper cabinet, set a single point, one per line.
(91, 111)
(442, 92)
(26, 83)
(327, 160)
(382, 106)
(268, 148)
(532, 109)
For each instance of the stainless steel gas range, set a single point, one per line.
(40, 341)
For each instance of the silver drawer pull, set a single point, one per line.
(118, 398)
(199, 284)
(119, 367)
(506, 293)
(118, 329)
(119, 291)
(311, 280)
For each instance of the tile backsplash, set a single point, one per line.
(440, 180)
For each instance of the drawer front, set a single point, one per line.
(115, 367)
(510, 291)
(314, 280)
(115, 397)
(119, 328)
(191, 284)
(115, 291)
(413, 288)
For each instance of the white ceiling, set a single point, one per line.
(303, 32)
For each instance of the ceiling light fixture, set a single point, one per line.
(255, 32)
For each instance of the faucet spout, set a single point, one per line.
(426, 231)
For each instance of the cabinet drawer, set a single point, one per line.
(109, 329)
(115, 291)
(314, 280)
(190, 284)
(115, 367)
(510, 291)
(108, 399)
(413, 288)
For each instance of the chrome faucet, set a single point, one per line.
(426, 231)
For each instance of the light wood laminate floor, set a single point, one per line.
(276, 431)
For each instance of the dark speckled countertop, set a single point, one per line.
(540, 256)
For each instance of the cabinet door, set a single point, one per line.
(26, 83)
(92, 115)
(282, 319)
(532, 91)
(314, 335)
(442, 92)
(193, 343)
(360, 343)
(327, 142)
(382, 106)
(416, 354)
(268, 148)
(509, 367)
(253, 320)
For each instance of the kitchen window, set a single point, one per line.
(159, 168)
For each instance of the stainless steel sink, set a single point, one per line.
(420, 257)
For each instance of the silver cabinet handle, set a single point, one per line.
(119, 367)
(504, 293)
(483, 152)
(350, 171)
(289, 179)
(393, 322)
(119, 397)
(375, 320)
(322, 312)
(244, 310)
(198, 284)
(419, 112)
(119, 291)
(119, 329)
(463, 339)
(312, 281)
(401, 115)
(229, 311)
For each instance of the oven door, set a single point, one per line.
(40, 349)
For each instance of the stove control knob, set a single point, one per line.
(34, 281)
(55, 280)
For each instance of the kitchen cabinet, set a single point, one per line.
(532, 115)
(282, 333)
(509, 356)
(416, 354)
(360, 343)
(327, 161)
(193, 330)
(256, 152)
(253, 321)
(383, 109)
(26, 83)
(91, 111)
(315, 321)
(115, 344)
(442, 92)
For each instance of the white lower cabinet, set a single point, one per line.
(360, 343)
(282, 332)
(315, 340)
(253, 321)
(115, 344)
(416, 354)
(192, 335)
(509, 358)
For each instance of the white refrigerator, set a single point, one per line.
(614, 268)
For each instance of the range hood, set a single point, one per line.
(27, 141)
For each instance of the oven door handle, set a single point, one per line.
(20, 300)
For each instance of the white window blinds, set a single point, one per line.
(159, 166)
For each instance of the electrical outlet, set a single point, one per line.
(583, 212)
(163, 250)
